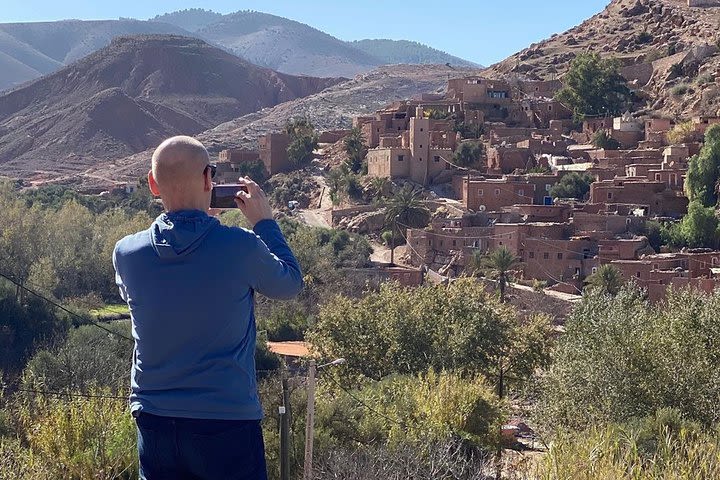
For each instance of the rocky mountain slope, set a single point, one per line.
(669, 51)
(285, 45)
(403, 51)
(330, 109)
(30, 50)
(127, 97)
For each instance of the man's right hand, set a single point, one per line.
(253, 203)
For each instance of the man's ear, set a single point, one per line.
(153, 185)
(208, 181)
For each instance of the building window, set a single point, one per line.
(454, 243)
(546, 255)
(497, 192)
(549, 108)
(401, 158)
(421, 129)
(532, 254)
(521, 192)
(420, 159)
(656, 266)
(480, 193)
(436, 158)
(559, 256)
(609, 195)
(420, 146)
(657, 177)
(637, 274)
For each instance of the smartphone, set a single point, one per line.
(223, 196)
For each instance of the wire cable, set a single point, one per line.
(368, 407)
(65, 309)
(69, 394)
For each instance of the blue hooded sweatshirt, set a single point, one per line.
(189, 282)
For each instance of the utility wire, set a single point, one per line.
(65, 309)
(69, 394)
(368, 407)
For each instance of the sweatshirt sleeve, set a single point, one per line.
(276, 272)
(118, 278)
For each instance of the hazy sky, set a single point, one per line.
(483, 31)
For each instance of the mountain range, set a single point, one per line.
(130, 95)
(30, 50)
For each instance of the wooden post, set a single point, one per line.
(310, 421)
(285, 432)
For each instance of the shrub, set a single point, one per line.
(662, 446)
(72, 438)
(681, 133)
(623, 358)
(680, 90)
(602, 139)
(643, 37)
(416, 410)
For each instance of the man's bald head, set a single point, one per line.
(177, 170)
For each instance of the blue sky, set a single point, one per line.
(483, 31)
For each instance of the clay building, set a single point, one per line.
(273, 152)
(503, 160)
(627, 130)
(688, 269)
(422, 154)
(655, 197)
(229, 162)
(492, 194)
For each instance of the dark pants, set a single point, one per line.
(181, 448)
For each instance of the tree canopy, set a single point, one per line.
(468, 154)
(303, 141)
(594, 86)
(356, 150)
(573, 185)
(701, 182)
(623, 357)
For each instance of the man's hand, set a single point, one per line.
(253, 203)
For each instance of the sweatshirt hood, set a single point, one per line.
(176, 234)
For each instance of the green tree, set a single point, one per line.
(303, 141)
(699, 228)
(380, 187)
(601, 139)
(255, 170)
(355, 149)
(498, 264)
(681, 133)
(573, 185)
(622, 357)
(405, 209)
(701, 182)
(436, 114)
(594, 86)
(606, 279)
(468, 154)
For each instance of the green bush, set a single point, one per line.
(414, 410)
(70, 438)
(660, 447)
(623, 357)
(682, 89)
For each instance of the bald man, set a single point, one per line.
(189, 282)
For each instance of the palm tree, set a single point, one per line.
(404, 209)
(607, 278)
(499, 263)
(379, 186)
